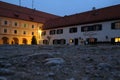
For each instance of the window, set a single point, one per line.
(16, 15)
(91, 40)
(117, 39)
(43, 33)
(52, 32)
(32, 26)
(15, 24)
(59, 41)
(5, 30)
(25, 25)
(5, 22)
(24, 32)
(31, 18)
(45, 41)
(59, 31)
(96, 27)
(32, 33)
(115, 25)
(73, 30)
(15, 31)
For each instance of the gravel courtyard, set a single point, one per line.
(37, 62)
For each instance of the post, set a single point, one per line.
(19, 2)
(32, 4)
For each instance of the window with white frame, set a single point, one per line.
(59, 31)
(115, 25)
(43, 33)
(73, 30)
(52, 32)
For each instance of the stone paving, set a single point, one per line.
(37, 62)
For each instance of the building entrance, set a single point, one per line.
(76, 41)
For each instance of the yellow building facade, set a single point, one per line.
(16, 31)
(19, 24)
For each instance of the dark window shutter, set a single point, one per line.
(113, 26)
(82, 29)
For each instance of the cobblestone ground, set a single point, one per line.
(36, 62)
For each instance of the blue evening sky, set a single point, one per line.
(64, 7)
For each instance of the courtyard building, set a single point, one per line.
(91, 27)
(19, 24)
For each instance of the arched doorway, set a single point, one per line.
(15, 41)
(24, 41)
(5, 40)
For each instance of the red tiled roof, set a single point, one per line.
(97, 15)
(18, 12)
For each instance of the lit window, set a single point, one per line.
(92, 40)
(117, 39)
(115, 25)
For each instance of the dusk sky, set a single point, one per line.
(64, 7)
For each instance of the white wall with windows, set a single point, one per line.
(101, 32)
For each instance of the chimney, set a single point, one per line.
(94, 8)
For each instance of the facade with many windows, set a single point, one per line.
(19, 24)
(15, 31)
(91, 27)
(102, 32)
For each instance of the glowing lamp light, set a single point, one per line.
(117, 39)
(40, 32)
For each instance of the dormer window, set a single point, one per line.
(16, 15)
(31, 18)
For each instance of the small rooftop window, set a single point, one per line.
(31, 18)
(95, 13)
(16, 15)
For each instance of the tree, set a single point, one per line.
(34, 41)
